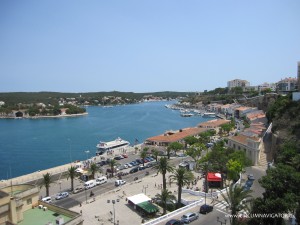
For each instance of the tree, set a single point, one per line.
(47, 180)
(165, 198)
(234, 197)
(175, 146)
(155, 154)
(112, 164)
(195, 152)
(190, 140)
(234, 168)
(72, 175)
(182, 177)
(143, 154)
(163, 167)
(94, 169)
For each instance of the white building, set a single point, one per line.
(237, 83)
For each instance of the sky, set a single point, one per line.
(145, 45)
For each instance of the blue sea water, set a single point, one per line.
(28, 145)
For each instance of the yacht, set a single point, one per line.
(209, 115)
(102, 147)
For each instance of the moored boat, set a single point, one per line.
(209, 115)
(119, 143)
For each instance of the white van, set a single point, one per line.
(47, 199)
(90, 184)
(101, 180)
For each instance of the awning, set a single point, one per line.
(214, 177)
(136, 199)
(148, 207)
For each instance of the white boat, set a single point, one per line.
(209, 115)
(102, 147)
(186, 114)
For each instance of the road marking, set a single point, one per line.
(226, 213)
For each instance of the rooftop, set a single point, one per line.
(179, 135)
(39, 216)
(243, 139)
(214, 123)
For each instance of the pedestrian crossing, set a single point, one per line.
(222, 205)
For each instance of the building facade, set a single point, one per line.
(250, 145)
(287, 84)
(238, 83)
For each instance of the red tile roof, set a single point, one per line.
(242, 139)
(168, 137)
(214, 123)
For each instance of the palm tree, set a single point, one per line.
(94, 169)
(46, 182)
(143, 155)
(163, 167)
(71, 174)
(165, 198)
(182, 177)
(234, 197)
(112, 164)
(155, 153)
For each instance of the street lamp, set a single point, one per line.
(145, 188)
(221, 222)
(114, 202)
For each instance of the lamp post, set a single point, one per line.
(85, 195)
(145, 188)
(114, 212)
(221, 222)
(59, 186)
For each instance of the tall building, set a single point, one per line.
(237, 83)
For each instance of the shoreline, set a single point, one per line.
(46, 117)
(33, 176)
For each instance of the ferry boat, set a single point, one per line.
(209, 115)
(102, 147)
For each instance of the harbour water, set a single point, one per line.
(29, 145)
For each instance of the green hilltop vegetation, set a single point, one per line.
(14, 98)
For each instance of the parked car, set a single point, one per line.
(77, 190)
(174, 222)
(204, 209)
(125, 155)
(134, 170)
(47, 199)
(128, 165)
(139, 161)
(141, 167)
(61, 195)
(120, 182)
(251, 177)
(118, 157)
(189, 217)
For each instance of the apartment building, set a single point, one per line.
(249, 144)
(287, 84)
(238, 83)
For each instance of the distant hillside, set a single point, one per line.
(13, 98)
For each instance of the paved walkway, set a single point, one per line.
(101, 212)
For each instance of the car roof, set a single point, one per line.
(188, 214)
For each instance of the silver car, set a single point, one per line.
(189, 217)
